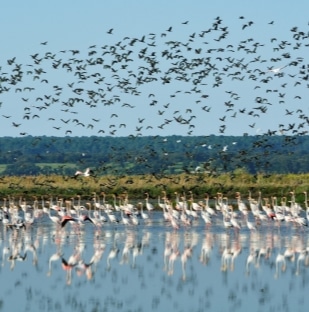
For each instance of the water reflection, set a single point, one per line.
(153, 267)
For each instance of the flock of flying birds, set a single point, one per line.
(157, 83)
(168, 82)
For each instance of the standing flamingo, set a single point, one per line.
(144, 215)
(54, 219)
(251, 226)
(306, 206)
(149, 206)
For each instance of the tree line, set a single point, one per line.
(134, 155)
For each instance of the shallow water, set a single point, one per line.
(151, 267)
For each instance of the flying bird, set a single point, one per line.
(87, 173)
(276, 70)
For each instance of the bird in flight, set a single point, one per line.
(87, 173)
(276, 70)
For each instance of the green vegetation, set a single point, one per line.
(2, 168)
(55, 165)
(136, 185)
(267, 154)
(42, 166)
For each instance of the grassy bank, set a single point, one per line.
(136, 186)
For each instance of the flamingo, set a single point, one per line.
(208, 209)
(194, 207)
(95, 220)
(112, 218)
(134, 219)
(169, 208)
(233, 219)
(279, 215)
(5, 218)
(184, 217)
(85, 218)
(23, 205)
(306, 206)
(97, 215)
(226, 220)
(161, 205)
(70, 207)
(144, 215)
(149, 206)
(54, 219)
(179, 204)
(218, 201)
(295, 210)
(294, 207)
(250, 225)
(108, 207)
(116, 207)
(35, 206)
(241, 205)
(124, 220)
(65, 219)
(60, 208)
(44, 206)
(110, 215)
(29, 219)
(174, 222)
(286, 210)
(166, 214)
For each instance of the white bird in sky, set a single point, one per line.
(277, 69)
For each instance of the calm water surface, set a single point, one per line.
(151, 267)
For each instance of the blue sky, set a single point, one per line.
(245, 100)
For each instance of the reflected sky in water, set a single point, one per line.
(151, 267)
